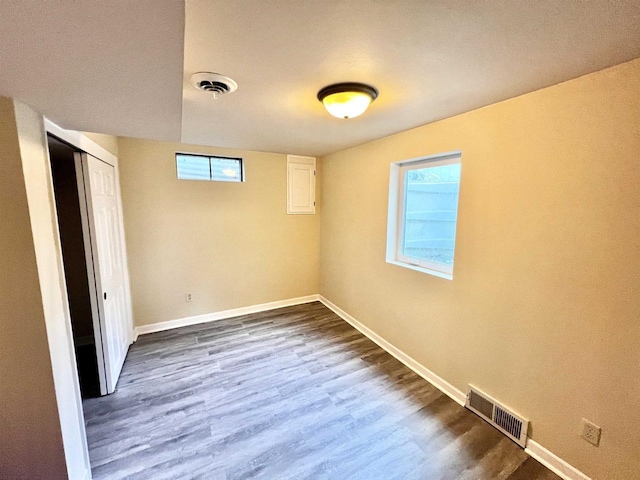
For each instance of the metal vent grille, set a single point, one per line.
(512, 425)
(508, 422)
(481, 404)
(217, 87)
(213, 83)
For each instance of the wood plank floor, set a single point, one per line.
(293, 393)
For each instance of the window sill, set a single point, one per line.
(421, 269)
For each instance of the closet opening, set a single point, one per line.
(71, 209)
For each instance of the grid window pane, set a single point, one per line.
(203, 167)
(226, 169)
(430, 212)
(193, 167)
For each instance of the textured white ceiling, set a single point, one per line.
(97, 65)
(123, 67)
(429, 59)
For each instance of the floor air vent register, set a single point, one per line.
(512, 425)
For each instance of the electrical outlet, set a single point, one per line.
(187, 297)
(590, 432)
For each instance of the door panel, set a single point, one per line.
(105, 224)
(301, 185)
(91, 274)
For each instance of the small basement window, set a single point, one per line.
(423, 211)
(208, 167)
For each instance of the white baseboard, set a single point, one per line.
(420, 369)
(534, 449)
(553, 462)
(212, 317)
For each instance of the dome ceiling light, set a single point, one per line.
(347, 100)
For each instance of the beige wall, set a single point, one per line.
(229, 244)
(28, 448)
(108, 142)
(41, 428)
(543, 311)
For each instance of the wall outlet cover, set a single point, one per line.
(187, 297)
(590, 432)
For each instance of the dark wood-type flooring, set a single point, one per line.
(294, 393)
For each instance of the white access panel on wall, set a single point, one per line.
(301, 185)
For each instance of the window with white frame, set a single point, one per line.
(423, 211)
(208, 167)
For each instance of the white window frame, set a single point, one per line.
(395, 224)
(209, 156)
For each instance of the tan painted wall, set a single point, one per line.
(229, 244)
(544, 310)
(31, 443)
(108, 142)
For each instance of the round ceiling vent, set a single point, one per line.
(213, 83)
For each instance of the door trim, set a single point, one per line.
(82, 142)
(85, 144)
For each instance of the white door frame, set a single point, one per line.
(85, 144)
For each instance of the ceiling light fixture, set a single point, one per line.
(347, 100)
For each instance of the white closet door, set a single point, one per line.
(301, 185)
(105, 225)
